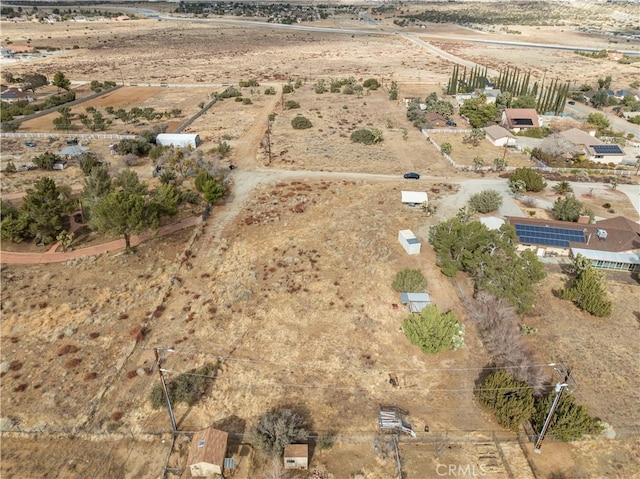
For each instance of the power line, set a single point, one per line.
(366, 368)
(341, 388)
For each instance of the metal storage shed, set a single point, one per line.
(414, 197)
(179, 140)
(409, 242)
(416, 302)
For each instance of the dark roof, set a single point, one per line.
(622, 233)
(607, 149)
(208, 445)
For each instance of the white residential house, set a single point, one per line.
(593, 148)
(499, 136)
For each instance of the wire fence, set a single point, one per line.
(539, 166)
(80, 136)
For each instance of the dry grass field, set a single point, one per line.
(287, 287)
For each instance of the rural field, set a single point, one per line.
(285, 291)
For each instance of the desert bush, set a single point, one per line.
(46, 160)
(189, 196)
(446, 148)
(247, 101)
(287, 88)
(252, 82)
(10, 167)
(270, 91)
(566, 209)
(533, 180)
(291, 104)
(301, 123)
(486, 201)
(230, 92)
(409, 281)
(434, 332)
(366, 137)
(278, 428)
(326, 441)
(509, 399)
(570, 420)
(187, 387)
(371, 84)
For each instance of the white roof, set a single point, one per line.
(417, 197)
(176, 136)
(492, 222)
(592, 254)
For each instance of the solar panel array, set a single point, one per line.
(607, 149)
(550, 236)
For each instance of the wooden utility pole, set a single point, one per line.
(165, 392)
(560, 387)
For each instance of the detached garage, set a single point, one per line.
(178, 140)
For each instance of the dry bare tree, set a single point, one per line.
(497, 325)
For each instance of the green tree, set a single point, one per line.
(97, 184)
(60, 81)
(128, 181)
(500, 163)
(165, 200)
(509, 275)
(446, 148)
(202, 177)
(478, 111)
(88, 161)
(276, 429)
(122, 213)
(432, 331)
(371, 84)
(45, 208)
(588, 290)
(569, 422)
(366, 137)
(599, 121)
(63, 122)
(486, 201)
(409, 281)
(566, 209)
(212, 191)
(509, 399)
(600, 99)
(524, 101)
(46, 160)
(533, 180)
(563, 188)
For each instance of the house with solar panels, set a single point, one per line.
(613, 243)
(593, 148)
(517, 119)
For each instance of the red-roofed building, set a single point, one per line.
(207, 452)
(517, 119)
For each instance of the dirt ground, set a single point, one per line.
(289, 290)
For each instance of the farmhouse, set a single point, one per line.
(517, 119)
(593, 148)
(613, 243)
(296, 456)
(413, 198)
(178, 140)
(499, 136)
(11, 95)
(206, 455)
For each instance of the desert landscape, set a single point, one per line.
(284, 292)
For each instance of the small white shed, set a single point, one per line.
(409, 242)
(178, 140)
(499, 136)
(296, 456)
(414, 197)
